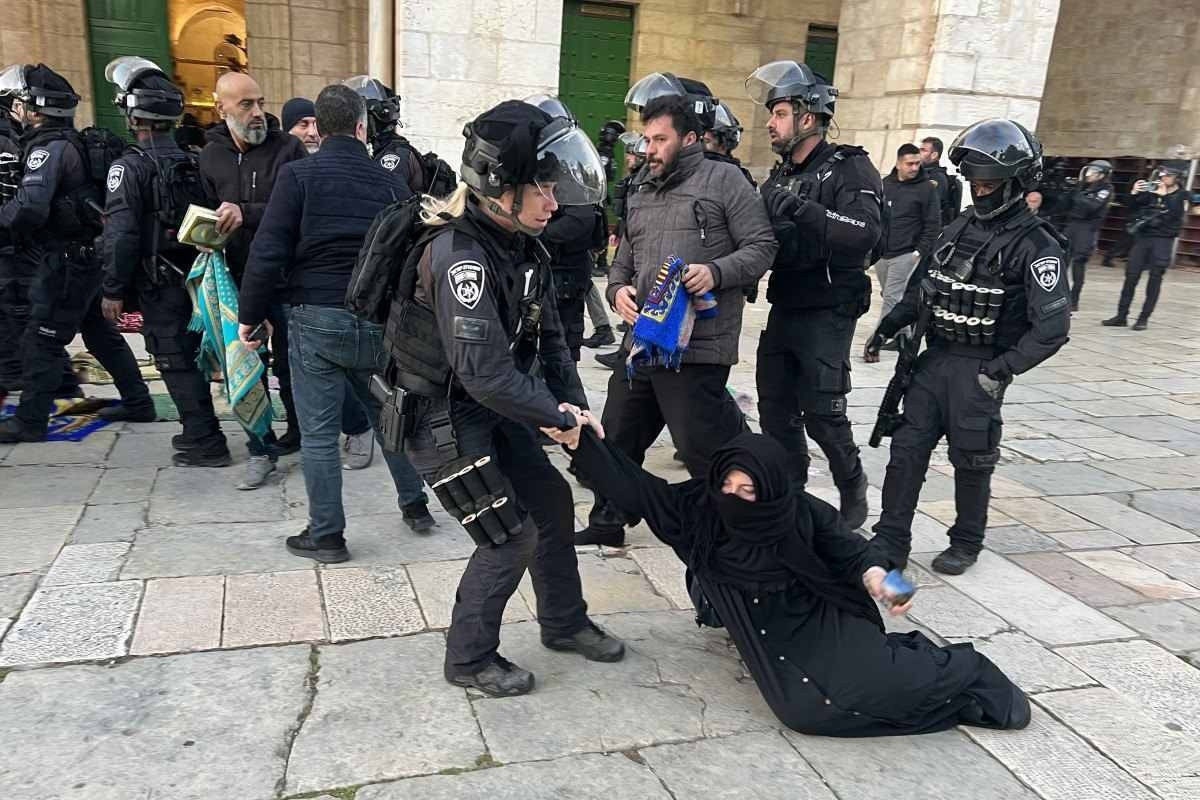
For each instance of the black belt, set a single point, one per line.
(984, 351)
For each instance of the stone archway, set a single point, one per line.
(207, 39)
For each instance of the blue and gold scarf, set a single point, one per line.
(664, 326)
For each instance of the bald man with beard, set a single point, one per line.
(238, 166)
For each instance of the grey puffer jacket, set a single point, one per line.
(705, 212)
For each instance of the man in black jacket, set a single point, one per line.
(949, 188)
(1085, 211)
(239, 166)
(1160, 206)
(825, 204)
(311, 232)
(914, 221)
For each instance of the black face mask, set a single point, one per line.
(992, 205)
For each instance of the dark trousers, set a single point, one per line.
(59, 298)
(945, 398)
(571, 311)
(166, 312)
(1082, 236)
(1150, 254)
(354, 414)
(803, 378)
(105, 342)
(545, 546)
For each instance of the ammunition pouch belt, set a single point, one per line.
(473, 490)
(963, 312)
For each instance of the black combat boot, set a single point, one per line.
(853, 504)
(1141, 324)
(12, 432)
(1114, 322)
(199, 456)
(501, 678)
(609, 360)
(416, 516)
(129, 412)
(592, 643)
(605, 527)
(601, 337)
(328, 550)
(954, 560)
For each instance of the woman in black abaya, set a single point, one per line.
(794, 589)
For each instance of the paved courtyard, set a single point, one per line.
(157, 641)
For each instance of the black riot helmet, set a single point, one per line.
(39, 89)
(998, 150)
(143, 91)
(515, 144)
(665, 84)
(726, 129)
(383, 105)
(551, 105)
(1092, 168)
(788, 80)
(1177, 168)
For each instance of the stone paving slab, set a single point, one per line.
(1019, 539)
(109, 523)
(929, 767)
(384, 540)
(373, 601)
(1115, 516)
(665, 572)
(191, 495)
(188, 727)
(436, 583)
(1176, 626)
(92, 450)
(1090, 540)
(272, 608)
(147, 450)
(1058, 765)
(1157, 754)
(73, 623)
(215, 549)
(1130, 572)
(1180, 561)
(14, 591)
(1066, 478)
(723, 769)
(1147, 675)
(1161, 473)
(610, 585)
(1040, 515)
(180, 614)
(1125, 447)
(1029, 603)
(585, 777)
(30, 538)
(382, 711)
(87, 563)
(1030, 665)
(1078, 579)
(124, 485)
(949, 614)
(1180, 507)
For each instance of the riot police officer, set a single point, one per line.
(825, 204)
(10, 292)
(142, 260)
(723, 138)
(1085, 210)
(571, 236)
(393, 152)
(996, 302)
(54, 221)
(473, 313)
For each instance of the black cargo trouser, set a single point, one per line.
(946, 398)
(1082, 235)
(105, 342)
(1150, 254)
(803, 378)
(166, 311)
(16, 279)
(545, 545)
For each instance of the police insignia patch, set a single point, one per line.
(1046, 271)
(466, 281)
(390, 162)
(115, 174)
(36, 159)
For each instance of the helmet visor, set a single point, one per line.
(777, 75)
(998, 139)
(12, 81)
(1089, 172)
(551, 105)
(656, 84)
(567, 159)
(369, 88)
(123, 71)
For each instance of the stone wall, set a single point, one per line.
(721, 42)
(1121, 83)
(455, 58)
(55, 33)
(920, 68)
(297, 47)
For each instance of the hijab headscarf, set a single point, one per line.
(768, 541)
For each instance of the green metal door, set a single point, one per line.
(593, 76)
(124, 28)
(820, 52)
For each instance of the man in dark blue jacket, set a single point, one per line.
(313, 227)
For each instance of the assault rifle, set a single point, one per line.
(890, 417)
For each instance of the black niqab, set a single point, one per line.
(768, 542)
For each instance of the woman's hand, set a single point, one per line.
(571, 438)
(873, 581)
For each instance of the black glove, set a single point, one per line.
(874, 344)
(997, 369)
(781, 206)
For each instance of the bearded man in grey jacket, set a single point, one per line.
(707, 214)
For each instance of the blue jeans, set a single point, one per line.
(354, 416)
(328, 347)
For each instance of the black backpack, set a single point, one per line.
(176, 184)
(440, 179)
(381, 259)
(99, 148)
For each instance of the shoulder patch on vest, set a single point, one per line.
(116, 173)
(390, 162)
(37, 158)
(466, 281)
(1046, 272)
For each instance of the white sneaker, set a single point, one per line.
(360, 450)
(257, 470)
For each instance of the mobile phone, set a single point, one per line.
(259, 334)
(898, 587)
